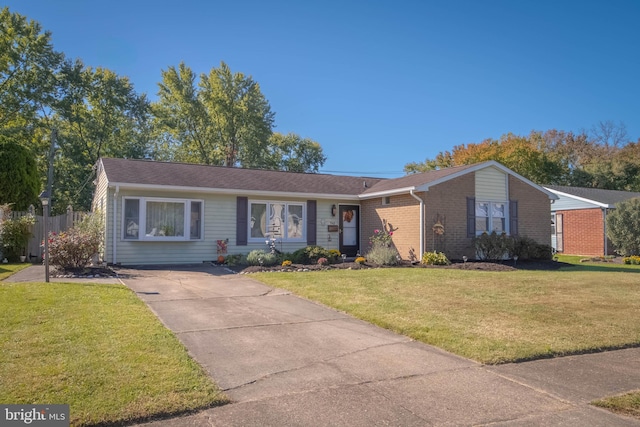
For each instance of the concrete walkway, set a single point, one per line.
(286, 361)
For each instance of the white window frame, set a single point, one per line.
(142, 218)
(284, 237)
(490, 217)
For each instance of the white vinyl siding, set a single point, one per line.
(491, 184)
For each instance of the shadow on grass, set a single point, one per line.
(604, 268)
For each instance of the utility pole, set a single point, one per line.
(52, 152)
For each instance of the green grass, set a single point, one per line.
(97, 348)
(491, 317)
(7, 270)
(626, 404)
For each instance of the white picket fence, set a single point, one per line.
(56, 224)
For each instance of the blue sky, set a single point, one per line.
(379, 83)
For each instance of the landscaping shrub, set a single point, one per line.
(235, 259)
(323, 261)
(383, 255)
(334, 255)
(76, 247)
(310, 255)
(261, 257)
(286, 263)
(527, 248)
(623, 227)
(435, 258)
(493, 247)
(381, 237)
(360, 260)
(14, 235)
(634, 259)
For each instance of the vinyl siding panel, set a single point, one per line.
(100, 204)
(565, 203)
(219, 218)
(491, 185)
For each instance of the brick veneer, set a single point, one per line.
(447, 203)
(583, 232)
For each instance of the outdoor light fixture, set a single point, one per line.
(44, 198)
(333, 210)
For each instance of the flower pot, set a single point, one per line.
(220, 259)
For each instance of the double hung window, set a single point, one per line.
(490, 217)
(162, 219)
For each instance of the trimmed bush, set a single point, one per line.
(310, 255)
(435, 258)
(623, 227)
(14, 236)
(261, 257)
(383, 255)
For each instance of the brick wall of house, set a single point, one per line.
(534, 211)
(403, 217)
(583, 232)
(447, 203)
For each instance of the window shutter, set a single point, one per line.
(471, 217)
(311, 222)
(513, 217)
(242, 209)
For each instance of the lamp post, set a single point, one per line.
(44, 198)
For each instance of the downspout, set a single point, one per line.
(115, 228)
(604, 230)
(421, 221)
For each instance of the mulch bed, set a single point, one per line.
(84, 273)
(469, 265)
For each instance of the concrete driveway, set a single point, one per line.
(286, 361)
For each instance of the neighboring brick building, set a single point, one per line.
(579, 218)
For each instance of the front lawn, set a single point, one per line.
(491, 317)
(97, 348)
(626, 404)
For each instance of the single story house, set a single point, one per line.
(159, 213)
(579, 219)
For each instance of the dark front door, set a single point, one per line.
(349, 229)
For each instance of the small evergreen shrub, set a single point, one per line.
(235, 259)
(310, 255)
(261, 257)
(383, 255)
(493, 247)
(435, 258)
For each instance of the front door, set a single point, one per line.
(349, 229)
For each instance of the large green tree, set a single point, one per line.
(98, 114)
(293, 153)
(27, 70)
(19, 178)
(623, 227)
(223, 120)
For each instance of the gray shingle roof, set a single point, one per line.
(152, 173)
(608, 197)
(415, 180)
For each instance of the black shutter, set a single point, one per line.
(513, 217)
(311, 222)
(471, 217)
(242, 208)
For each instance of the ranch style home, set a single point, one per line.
(167, 213)
(579, 219)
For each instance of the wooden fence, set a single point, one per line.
(56, 224)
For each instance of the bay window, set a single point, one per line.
(280, 220)
(162, 219)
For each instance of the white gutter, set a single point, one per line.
(421, 222)
(604, 230)
(115, 228)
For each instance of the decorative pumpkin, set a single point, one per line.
(220, 259)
